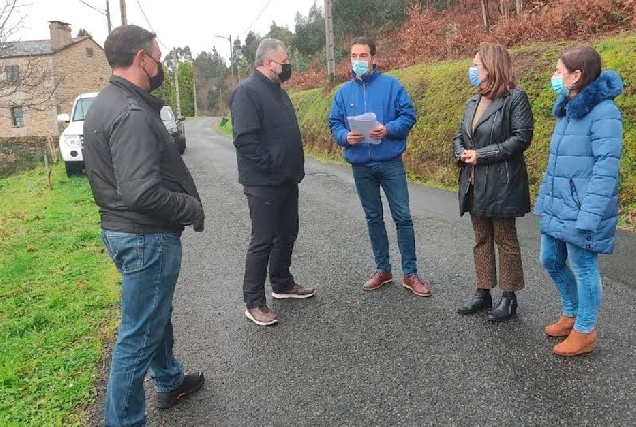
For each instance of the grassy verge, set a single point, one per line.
(225, 129)
(58, 290)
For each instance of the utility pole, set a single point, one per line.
(176, 90)
(122, 7)
(194, 87)
(110, 27)
(331, 62)
(231, 55)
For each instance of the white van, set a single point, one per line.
(72, 138)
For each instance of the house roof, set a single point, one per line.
(31, 48)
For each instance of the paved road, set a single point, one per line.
(385, 358)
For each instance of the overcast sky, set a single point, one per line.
(178, 23)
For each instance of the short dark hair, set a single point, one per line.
(585, 59)
(123, 43)
(367, 41)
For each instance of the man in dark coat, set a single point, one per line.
(146, 197)
(270, 158)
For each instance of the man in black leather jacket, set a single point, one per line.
(270, 157)
(146, 197)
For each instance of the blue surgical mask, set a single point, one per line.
(360, 68)
(473, 76)
(558, 87)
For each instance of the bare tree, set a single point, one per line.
(26, 78)
(484, 13)
(504, 5)
(518, 7)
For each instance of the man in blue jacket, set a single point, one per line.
(378, 163)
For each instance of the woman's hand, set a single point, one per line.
(469, 157)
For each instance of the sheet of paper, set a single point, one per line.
(365, 124)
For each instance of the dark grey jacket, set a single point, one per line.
(502, 134)
(138, 178)
(269, 147)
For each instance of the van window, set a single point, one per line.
(81, 108)
(166, 114)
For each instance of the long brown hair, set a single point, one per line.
(498, 63)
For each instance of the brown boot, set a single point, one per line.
(577, 343)
(378, 279)
(561, 328)
(418, 286)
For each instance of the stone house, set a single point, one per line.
(48, 75)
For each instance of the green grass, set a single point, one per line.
(225, 130)
(58, 291)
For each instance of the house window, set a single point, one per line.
(17, 117)
(89, 52)
(12, 72)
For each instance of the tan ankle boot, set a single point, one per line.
(561, 328)
(577, 343)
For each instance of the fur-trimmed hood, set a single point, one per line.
(608, 86)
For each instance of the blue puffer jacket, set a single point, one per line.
(386, 97)
(578, 198)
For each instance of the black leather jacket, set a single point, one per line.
(138, 178)
(500, 178)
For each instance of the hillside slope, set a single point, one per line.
(440, 90)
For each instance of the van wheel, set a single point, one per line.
(73, 168)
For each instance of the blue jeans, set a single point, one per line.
(149, 264)
(579, 283)
(392, 178)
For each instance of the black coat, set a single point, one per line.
(138, 178)
(502, 134)
(269, 147)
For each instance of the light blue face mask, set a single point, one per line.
(473, 76)
(360, 68)
(558, 87)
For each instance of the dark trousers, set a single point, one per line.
(274, 214)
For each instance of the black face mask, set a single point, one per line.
(285, 74)
(155, 81)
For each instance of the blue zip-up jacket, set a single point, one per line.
(386, 97)
(578, 198)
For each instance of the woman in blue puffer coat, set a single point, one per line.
(578, 198)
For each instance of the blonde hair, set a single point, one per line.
(498, 63)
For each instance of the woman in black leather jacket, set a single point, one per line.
(493, 181)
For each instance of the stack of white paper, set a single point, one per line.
(365, 124)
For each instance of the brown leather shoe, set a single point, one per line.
(296, 291)
(577, 343)
(418, 286)
(379, 278)
(261, 315)
(561, 328)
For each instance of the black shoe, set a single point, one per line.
(480, 301)
(191, 383)
(506, 309)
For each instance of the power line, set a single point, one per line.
(257, 18)
(150, 25)
(92, 7)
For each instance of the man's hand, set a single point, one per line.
(199, 224)
(379, 132)
(354, 138)
(469, 157)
